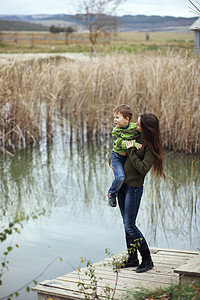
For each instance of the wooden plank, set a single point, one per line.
(179, 254)
(157, 259)
(158, 268)
(192, 267)
(159, 253)
(169, 260)
(130, 272)
(126, 279)
(56, 289)
(150, 276)
(46, 292)
(176, 251)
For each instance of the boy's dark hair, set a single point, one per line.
(125, 110)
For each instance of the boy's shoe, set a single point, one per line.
(112, 200)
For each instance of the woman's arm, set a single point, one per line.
(142, 165)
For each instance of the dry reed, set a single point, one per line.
(35, 95)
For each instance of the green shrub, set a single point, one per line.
(173, 292)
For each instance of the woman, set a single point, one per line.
(137, 165)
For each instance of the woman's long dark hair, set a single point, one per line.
(151, 131)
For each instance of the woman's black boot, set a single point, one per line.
(132, 260)
(147, 263)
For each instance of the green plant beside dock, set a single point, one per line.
(173, 292)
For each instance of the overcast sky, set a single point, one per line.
(177, 8)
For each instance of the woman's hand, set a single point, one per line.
(138, 145)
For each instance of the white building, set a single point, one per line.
(196, 28)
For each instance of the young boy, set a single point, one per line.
(123, 131)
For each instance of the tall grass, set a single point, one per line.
(35, 95)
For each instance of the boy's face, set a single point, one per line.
(119, 120)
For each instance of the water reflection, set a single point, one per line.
(70, 181)
(173, 206)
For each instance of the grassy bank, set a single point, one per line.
(173, 292)
(35, 95)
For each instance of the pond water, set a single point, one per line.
(70, 181)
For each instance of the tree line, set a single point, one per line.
(58, 29)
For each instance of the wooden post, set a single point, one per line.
(104, 39)
(33, 39)
(16, 37)
(66, 38)
(1, 36)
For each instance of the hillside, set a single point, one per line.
(153, 23)
(21, 26)
(127, 22)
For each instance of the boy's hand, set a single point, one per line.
(138, 146)
(130, 144)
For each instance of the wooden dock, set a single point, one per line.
(170, 266)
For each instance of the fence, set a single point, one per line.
(50, 38)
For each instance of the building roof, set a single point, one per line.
(196, 25)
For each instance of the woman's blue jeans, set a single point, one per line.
(129, 202)
(117, 162)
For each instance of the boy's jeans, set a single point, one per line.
(117, 162)
(129, 202)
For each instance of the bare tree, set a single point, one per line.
(98, 17)
(195, 9)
